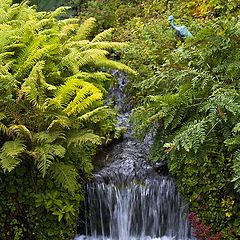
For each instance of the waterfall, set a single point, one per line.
(128, 199)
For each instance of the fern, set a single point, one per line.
(191, 137)
(114, 65)
(32, 59)
(10, 154)
(21, 131)
(3, 128)
(76, 95)
(43, 158)
(103, 35)
(46, 154)
(84, 30)
(76, 60)
(82, 137)
(96, 115)
(236, 168)
(59, 11)
(62, 122)
(35, 86)
(103, 46)
(47, 137)
(52, 89)
(65, 175)
(83, 100)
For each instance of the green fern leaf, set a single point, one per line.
(3, 128)
(103, 35)
(21, 131)
(114, 65)
(192, 136)
(10, 154)
(236, 168)
(59, 11)
(43, 157)
(48, 137)
(65, 175)
(85, 97)
(83, 31)
(82, 137)
(97, 115)
(104, 46)
(62, 122)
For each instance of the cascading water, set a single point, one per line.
(128, 200)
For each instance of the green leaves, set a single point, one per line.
(51, 77)
(191, 103)
(65, 175)
(191, 137)
(83, 137)
(53, 80)
(10, 154)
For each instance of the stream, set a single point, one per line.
(128, 199)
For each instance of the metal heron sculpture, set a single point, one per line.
(181, 31)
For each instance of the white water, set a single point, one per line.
(129, 200)
(131, 238)
(151, 210)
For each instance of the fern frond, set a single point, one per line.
(29, 49)
(3, 128)
(58, 150)
(114, 65)
(35, 87)
(82, 137)
(103, 35)
(5, 55)
(10, 154)
(227, 99)
(32, 59)
(233, 141)
(236, 128)
(76, 44)
(97, 76)
(66, 22)
(84, 99)
(67, 91)
(84, 30)
(104, 45)
(43, 157)
(191, 137)
(67, 30)
(62, 122)
(76, 95)
(236, 168)
(48, 137)
(59, 11)
(5, 3)
(75, 59)
(21, 131)
(44, 23)
(97, 115)
(65, 175)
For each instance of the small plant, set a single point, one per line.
(202, 231)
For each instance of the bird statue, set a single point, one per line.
(181, 31)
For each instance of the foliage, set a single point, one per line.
(191, 100)
(52, 118)
(188, 94)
